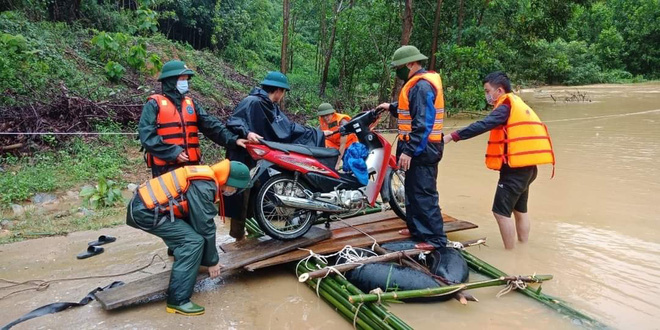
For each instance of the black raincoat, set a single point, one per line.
(257, 113)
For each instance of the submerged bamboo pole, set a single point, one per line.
(365, 319)
(381, 311)
(483, 267)
(348, 266)
(368, 315)
(397, 295)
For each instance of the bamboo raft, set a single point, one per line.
(257, 253)
(363, 310)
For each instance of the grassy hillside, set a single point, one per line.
(56, 78)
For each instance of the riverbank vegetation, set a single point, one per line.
(88, 65)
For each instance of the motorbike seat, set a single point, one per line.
(317, 152)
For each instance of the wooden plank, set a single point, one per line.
(358, 221)
(154, 285)
(333, 245)
(247, 243)
(372, 228)
(363, 219)
(375, 217)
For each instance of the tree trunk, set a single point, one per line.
(285, 35)
(291, 38)
(461, 13)
(64, 10)
(345, 66)
(481, 14)
(406, 32)
(323, 33)
(407, 23)
(328, 55)
(323, 272)
(434, 43)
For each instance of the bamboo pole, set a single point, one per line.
(341, 304)
(348, 266)
(444, 290)
(371, 314)
(381, 311)
(253, 228)
(556, 304)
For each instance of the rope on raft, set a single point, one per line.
(348, 253)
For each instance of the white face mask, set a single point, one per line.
(489, 99)
(182, 86)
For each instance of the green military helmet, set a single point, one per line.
(174, 68)
(276, 79)
(406, 54)
(325, 109)
(239, 175)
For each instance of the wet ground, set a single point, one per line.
(594, 227)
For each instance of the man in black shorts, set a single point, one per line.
(518, 142)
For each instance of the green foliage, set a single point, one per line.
(13, 44)
(77, 161)
(610, 48)
(32, 58)
(106, 46)
(105, 194)
(147, 21)
(137, 56)
(114, 48)
(561, 62)
(462, 73)
(534, 41)
(154, 63)
(246, 32)
(114, 71)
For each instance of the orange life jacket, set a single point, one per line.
(176, 127)
(334, 125)
(166, 193)
(405, 120)
(526, 138)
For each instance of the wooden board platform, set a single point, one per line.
(383, 227)
(252, 251)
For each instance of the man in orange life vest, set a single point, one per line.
(329, 122)
(420, 111)
(179, 207)
(170, 124)
(518, 142)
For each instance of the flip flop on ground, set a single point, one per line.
(91, 251)
(103, 239)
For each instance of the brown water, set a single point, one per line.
(593, 228)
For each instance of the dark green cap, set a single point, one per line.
(276, 79)
(174, 68)
(239, 175)
(406, 54)
(325, 109)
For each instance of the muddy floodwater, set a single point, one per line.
(594, 227)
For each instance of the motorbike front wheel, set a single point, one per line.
(397, 192)
(282, 222)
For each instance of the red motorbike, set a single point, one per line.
(300, 183)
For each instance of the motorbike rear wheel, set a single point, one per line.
(282, 222)
(397, 192)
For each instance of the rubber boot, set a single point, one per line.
(187, 309)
